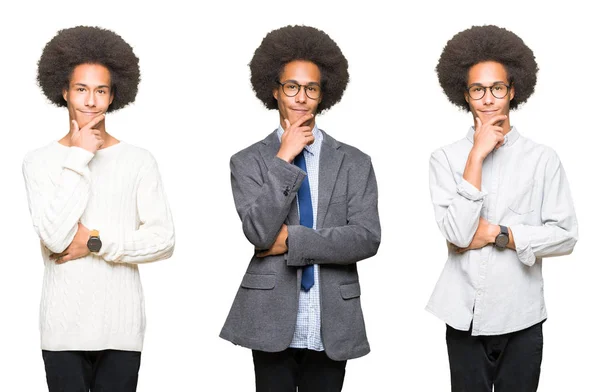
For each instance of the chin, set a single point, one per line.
(82, 122)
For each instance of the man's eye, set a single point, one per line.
(476, 89)
(80, 89)
(101, 92)
(292, 87)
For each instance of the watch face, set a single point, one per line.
(502, 240)
(94, 244)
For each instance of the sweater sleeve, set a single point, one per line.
(57, 207)
(154, 238)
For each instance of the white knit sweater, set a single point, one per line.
(96, 302)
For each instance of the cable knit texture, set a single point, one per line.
(96, 302)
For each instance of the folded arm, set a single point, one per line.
(263, 201)
(358, 239)
(457, 206)
(154, 239)
(558, 233)
(56, 208)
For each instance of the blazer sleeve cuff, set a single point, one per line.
(291, 175)
(295, 258)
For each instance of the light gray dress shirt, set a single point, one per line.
(308, 322)
(523, 187)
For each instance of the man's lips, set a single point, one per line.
(89, 113)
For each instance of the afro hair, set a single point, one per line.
(486, 43)
(88, 45)
(291, 43)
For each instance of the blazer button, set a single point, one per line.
(286, 191)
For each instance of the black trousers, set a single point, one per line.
(96, 371)
(510, 362)
(310, 371)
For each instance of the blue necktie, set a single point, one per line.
(306, 218)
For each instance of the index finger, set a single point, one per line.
(496, 119)
(303, 119)
(94, 121)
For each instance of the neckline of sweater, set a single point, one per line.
(102, 152)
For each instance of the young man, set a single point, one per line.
(502, 203)
(99, 209)
(308, 204)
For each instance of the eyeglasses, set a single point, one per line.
(498, 90)
(291, 89)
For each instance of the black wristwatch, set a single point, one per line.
(94, 244)
(502, 238)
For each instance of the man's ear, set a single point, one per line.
(276, 94)
(64, 94)
(512, 92)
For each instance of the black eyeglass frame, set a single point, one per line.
(300, 87)
(508, 87)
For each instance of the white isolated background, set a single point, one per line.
(195, 109)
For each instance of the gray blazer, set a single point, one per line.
(263, 314)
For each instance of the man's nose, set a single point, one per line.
(301, 96)
(488, 98)
(91, 100)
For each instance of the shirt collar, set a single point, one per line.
(312, 148)
(509, 139)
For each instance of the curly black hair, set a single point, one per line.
(88, 45)
(290, 43)
(486, 43)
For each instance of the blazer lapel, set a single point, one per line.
(329, 166)
(270, 147)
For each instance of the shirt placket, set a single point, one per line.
(489, 172)
(312, 317)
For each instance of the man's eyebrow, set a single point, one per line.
(295, 81)
(85, 85)
(481, 84)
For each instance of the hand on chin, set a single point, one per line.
(295, 115)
